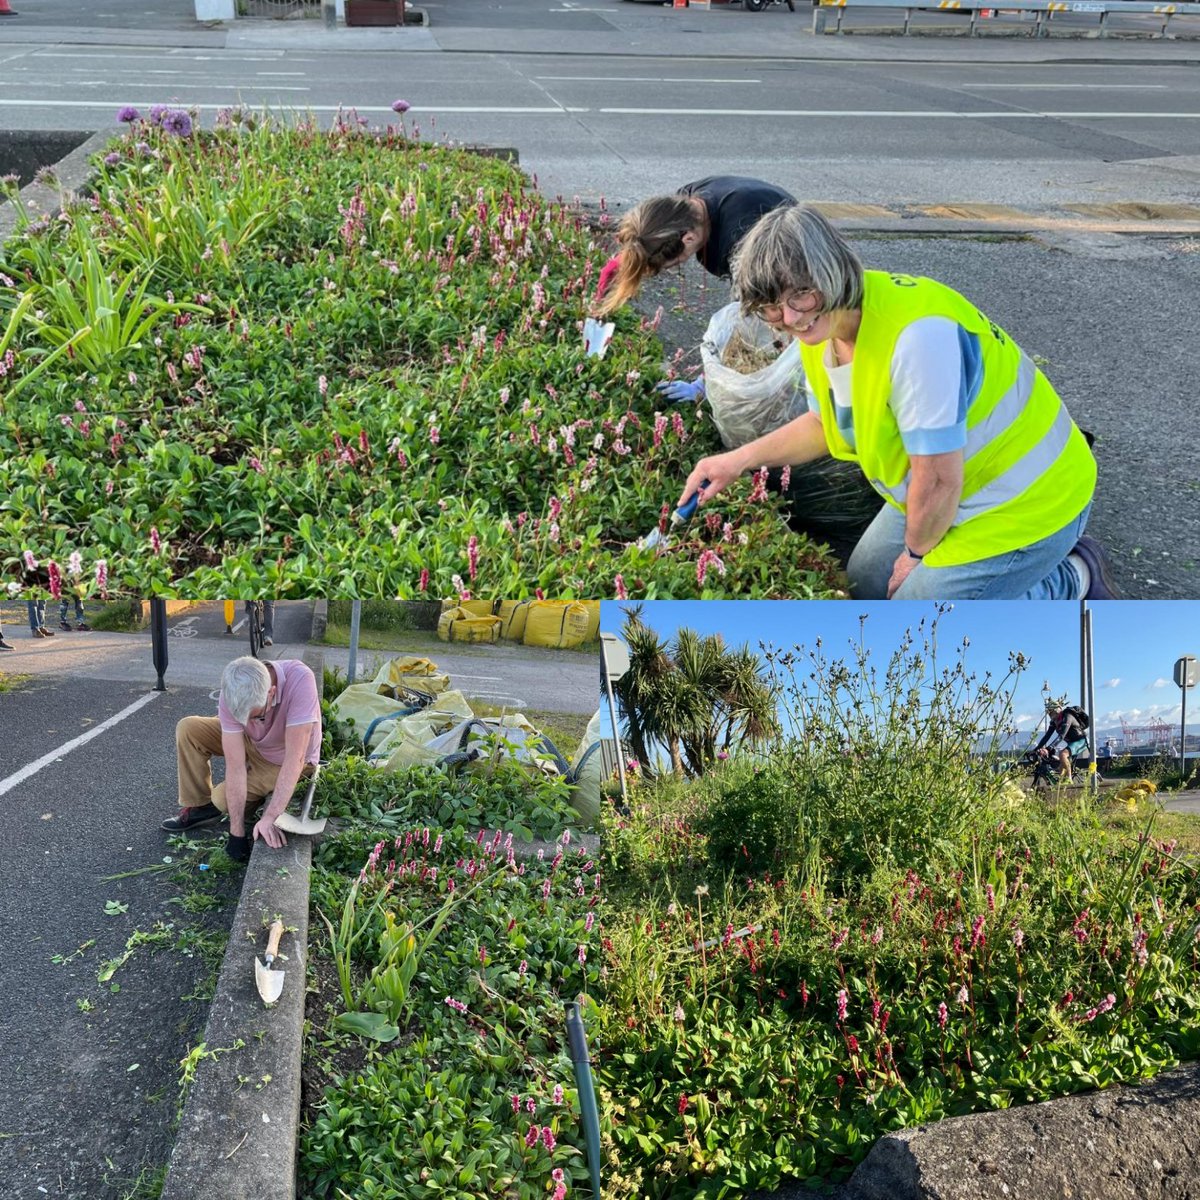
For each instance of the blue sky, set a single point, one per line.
(1135, 643)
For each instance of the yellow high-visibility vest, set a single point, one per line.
(1027, 470)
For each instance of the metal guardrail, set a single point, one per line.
(1044, 10)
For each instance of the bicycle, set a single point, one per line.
(1047, 773)
(255, 618)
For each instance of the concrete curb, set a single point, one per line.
(73, 172)
(238, 1132)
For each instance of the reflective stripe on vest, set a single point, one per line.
(1008, 409)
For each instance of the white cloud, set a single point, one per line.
(1112, 683)
(1160, 683)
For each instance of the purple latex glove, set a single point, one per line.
(679, 391)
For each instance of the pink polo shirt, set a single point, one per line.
(296, 703)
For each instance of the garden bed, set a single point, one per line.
(296, 360)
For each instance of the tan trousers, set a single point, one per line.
(197, 742)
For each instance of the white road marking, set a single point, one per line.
(641, 79)
(7, 785)
(1099, 87)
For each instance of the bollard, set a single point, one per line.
(5, 11)
(158, 640)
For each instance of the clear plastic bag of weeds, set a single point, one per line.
(753, 380)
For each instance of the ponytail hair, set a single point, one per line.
(649, 237)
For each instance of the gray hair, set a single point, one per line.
(791, 249)
(245, 684)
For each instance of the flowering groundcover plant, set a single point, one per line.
(471, 1093)
(297, 361)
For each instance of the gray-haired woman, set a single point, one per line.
(987, 481)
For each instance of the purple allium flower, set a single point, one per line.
(177, 122)
(157, 112)
(142, 148)
(111, 160)
(400, 106)
(129, 114)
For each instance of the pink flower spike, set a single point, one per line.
(548, 1139)
(516, 1103)
(155, 540)
(30, 562)
(619, 588)
(557, 1098)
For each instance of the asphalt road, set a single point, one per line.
(619, 99)
(90, 1095)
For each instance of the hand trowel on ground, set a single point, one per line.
(660, 539)
(303, 823)
(270, 983)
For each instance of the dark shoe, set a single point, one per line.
(6, 645)
(238, 848)
(1102, 586)
(65, 626)
(83, 627)
(268, 642)
(192, 818)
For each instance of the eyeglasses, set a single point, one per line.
(802, 303)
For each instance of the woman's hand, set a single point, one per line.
(719, 469)
(901, 570)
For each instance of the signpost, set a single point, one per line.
(614, 664)
(1187, 673)
(158, 640)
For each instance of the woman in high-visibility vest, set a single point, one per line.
(987, 481)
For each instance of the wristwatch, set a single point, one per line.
(912, 553)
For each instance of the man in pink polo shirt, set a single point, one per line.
(268, 729)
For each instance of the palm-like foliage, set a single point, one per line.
(695, 697)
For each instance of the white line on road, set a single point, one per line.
(641, 79)
(7, 785)
(187, 621)
(1099, 87)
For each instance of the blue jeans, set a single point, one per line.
(62, 610)
(1036, 572)
(37, 614)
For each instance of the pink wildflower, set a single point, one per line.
(532, 1135)
(943, 1014)
(457, 1005)
(322, 385)
(424, 583)
(548, 1139)
(155, 540)
(843, 1000)
(557, 1098)
(55, 579)
(30, 562)
(709, 558)
(759, 493)
(619, 588)
(434, 435)
(473, 556)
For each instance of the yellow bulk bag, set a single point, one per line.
(558, 623)
(593, 629)
(512, 614)
(459, 625)
(359, 704)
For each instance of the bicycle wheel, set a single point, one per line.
(254, 625)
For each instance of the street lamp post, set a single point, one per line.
(1187, 672)
(614, 663)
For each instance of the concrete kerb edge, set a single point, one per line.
(72, 171)
(239, 1128)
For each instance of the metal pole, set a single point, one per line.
(158, 640)
(329, 12)
(1183, 734)
(612, 712)
(1091, 705)
(355, 615)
